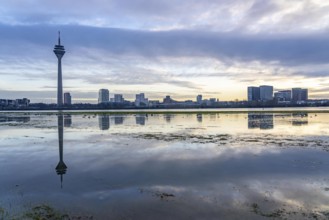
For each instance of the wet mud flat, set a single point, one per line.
(164, 166)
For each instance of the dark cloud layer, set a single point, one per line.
(288, 50)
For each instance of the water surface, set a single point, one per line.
(167, 166)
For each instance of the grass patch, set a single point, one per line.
(41, 212)
(44, 212)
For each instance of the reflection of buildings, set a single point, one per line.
(168, 117)
(291, 119)
(61, 167)
(140, 119)
(213, 117)
(259, 120)
(23, 119)
(118, 120)
(104, 122)
(67, 120)
(199, 117)
(299, 119)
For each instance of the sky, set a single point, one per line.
(180, 48)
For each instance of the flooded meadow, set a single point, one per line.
(155, 165)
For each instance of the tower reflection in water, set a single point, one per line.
(61, 166)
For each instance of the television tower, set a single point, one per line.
(59, 51)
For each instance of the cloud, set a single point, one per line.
(226, 15)
(175, 43)
(288, 50)
(139, 77)
(112, 12)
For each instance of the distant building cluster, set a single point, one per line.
(142, 101)
(17, 103)
(265, 93)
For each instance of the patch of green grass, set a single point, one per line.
(44, 212)
(282, 213)
(3, 214)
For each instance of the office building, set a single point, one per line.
(118, 98)
(253, 93)
(299, 94)
(168, 100)
(67, 98)
(140, 100)
(283, 96)
(266, 93)
(15, 103)
(199, 99)
(59, 51)
(22, 102)
(103, 96)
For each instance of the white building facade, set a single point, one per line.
(103, 96)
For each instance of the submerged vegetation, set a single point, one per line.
(284, 213)
(245, 139)
(41, 212)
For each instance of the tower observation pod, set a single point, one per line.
(59, 51)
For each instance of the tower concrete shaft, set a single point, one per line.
(59, 51)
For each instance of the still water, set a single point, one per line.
(166, 166)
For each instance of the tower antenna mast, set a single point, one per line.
(59, 38)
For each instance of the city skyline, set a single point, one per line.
(216, 48)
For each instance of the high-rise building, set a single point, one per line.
(253, 93)
(141, 100)
(284, 95)
(199, 99)
(59, 51)
(304, 95)
(118, 98)
(299, 94)
(103, 96)
(168, 100)
(266, 93)
(67, 98)
(22, 102)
